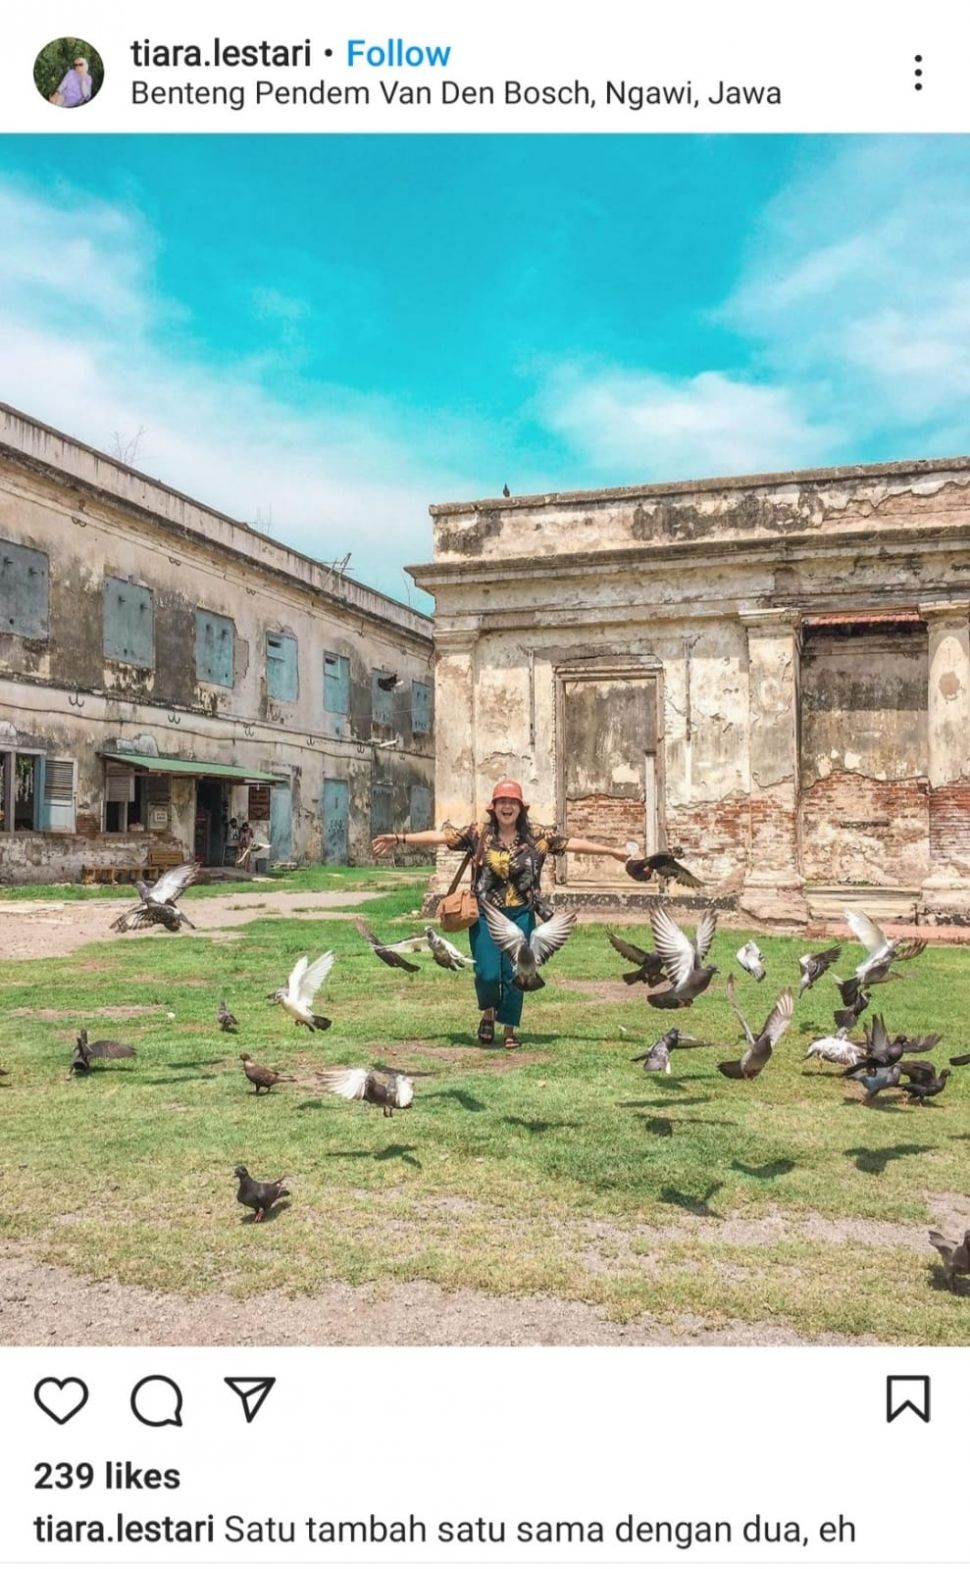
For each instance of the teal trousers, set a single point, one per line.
(493, 968)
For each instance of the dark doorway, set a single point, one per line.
(211, 821)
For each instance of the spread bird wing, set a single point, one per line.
(172, 884)
(110, 1049)
(504, 933)
(548, 938)
(779, 1018)
(943, 1245)
(314, 976)
(132, 920)
(454, 954)
(737, 1011)
(674, 946)
(705, 933)
(918, 1072)
(366, 932)
(628, 950)
(348, 1082)
(865, 929)
(909, 948)
(666, 866)
(877, 1039)
(296, 979)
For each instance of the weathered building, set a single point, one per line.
(165, 669)
(773, 672)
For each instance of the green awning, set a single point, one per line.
(191, 765)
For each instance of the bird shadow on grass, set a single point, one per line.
(685, 1100)
(772, 1168)
(954, 1288)
(468, 1102)
(200, 1062)
(389, 1152)
(537, 1126)
(660, 1127)
(311, 1105)
(183, 1078)
(876, 1105)
(875, 1161)
(693, 1206)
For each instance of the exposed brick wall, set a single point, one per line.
(715, 837)
(949, 815)
(608, 819)
(869, 831)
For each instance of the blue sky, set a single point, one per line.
(324, 335)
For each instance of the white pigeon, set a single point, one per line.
(297, 995)
(836, 1048)
(384, 1087)
(752, 959)
(528, 953)
(445, 953)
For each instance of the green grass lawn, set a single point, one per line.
(306, 879)
(560, 1169)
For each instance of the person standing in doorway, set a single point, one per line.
(508, 852)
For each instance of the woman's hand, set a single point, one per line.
(384, 842)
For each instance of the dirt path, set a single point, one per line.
(50, 929)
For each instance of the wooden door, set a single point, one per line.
(610, 774)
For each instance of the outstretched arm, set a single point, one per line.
(385, 842)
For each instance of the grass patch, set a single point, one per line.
(563, 1169)
(305, 879)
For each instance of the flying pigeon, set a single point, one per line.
(682, 959)
(650, 967)
(87, 1051)
(664, 866)
(528, 953)
(227, 1020)
(752, 959)
(297, 995)
(879, 1050)
(260, 1196)
(383, 1087)
(836, 1048)
(263, 1078)
(760, 1046)
(506, 492)
(445, 953)
(955, 1255)
(656, 1059)
(390, 953)
(159, 902)
(846, 1017)
(882, 953)
(389, 683)
(924, 1081)
(814, 965)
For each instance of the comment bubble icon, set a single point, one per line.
(157, 1401)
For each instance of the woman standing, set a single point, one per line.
(507, 854)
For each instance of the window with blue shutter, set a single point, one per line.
(421, 817)
(336, 684)
(215, 648)
(282, 669)
(421, 707)
(381, 809)
(24, 590)
(129, 623)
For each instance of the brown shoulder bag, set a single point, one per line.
(458, 908)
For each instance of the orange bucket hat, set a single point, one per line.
(509, 790)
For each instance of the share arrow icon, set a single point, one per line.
(252, 1392)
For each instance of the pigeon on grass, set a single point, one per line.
(760, 1046)
(923, 1081)
(296, 997)
(528, 953)
(260, 1196)
(263, 1078)
(955, 1256)
(86, 1052)
(227, 1020)
(384, 1087)
(656, 1059)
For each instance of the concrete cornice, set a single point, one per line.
(944, 609)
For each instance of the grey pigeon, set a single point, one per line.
(528, 953)
(760, 1046)
(389, 683)
(656, 1059)
(846, 1017)
(882, 953)
(878, 1080)
(955, 1255)
(814, 965)
(260, 1196)
(506, 492)
(159, 902)
(389, 953)
(752, 959)
(263, 1078)
(86, 1052)
(836, 1048)
(664, 866)
(879, 1051)
(649, 966)
(924, 1081)
(682, 958)
(445, 953)
(227, 1020)
(384, 1087)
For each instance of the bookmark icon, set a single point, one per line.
(252, 1392)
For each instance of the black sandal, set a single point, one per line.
(512, 1042)
(486, 1032)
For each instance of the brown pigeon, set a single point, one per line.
(263, 1078)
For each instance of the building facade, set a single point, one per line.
(165, 670)
(771, 672)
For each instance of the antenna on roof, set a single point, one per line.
(338, 567)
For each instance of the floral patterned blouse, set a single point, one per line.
(509, 874)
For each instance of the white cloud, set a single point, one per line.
(83, 348)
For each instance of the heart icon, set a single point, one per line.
(61, 1398)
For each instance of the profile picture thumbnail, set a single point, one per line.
(68, 72)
